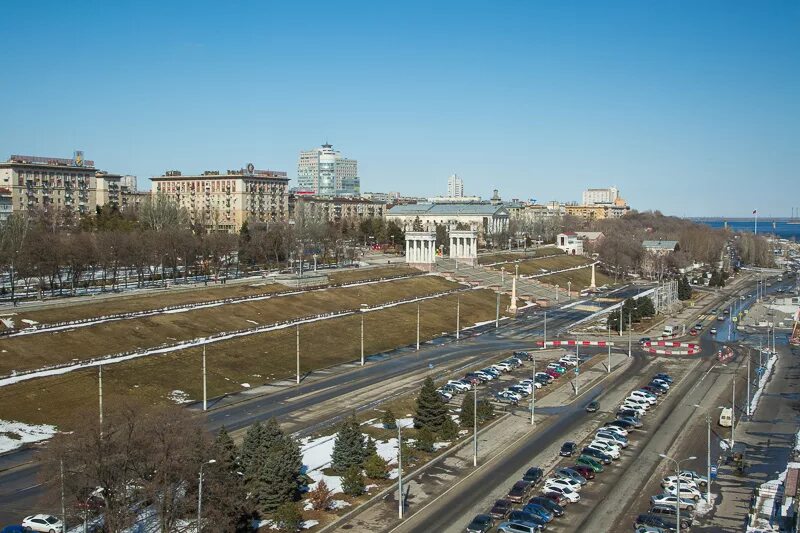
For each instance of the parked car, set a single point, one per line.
(518, 527)
(521, 517)
(42, 522)
(584, 470)
(481, 524)
(672, 500)
(655, 390)
(534, 475)
(500, 509)
(672, 481)
(507, 397)
(592, 406)
(549, 504)
(609, 449)
(538, 511)
(687, 492)
(647, 529)
(567, 449)
(632, 419)
(552, 373)
(562, 483)
(569, 473)
(544, 375)
(671, 513)
(609, 439)
(700, 480)
(619, 430)
(598, 455)
(617, 438)
(655, 520)
(658, 381)
(555, 498)
(567, 362)
(626, 412)
(520, 491)
(590, 462)
(458, 385)
(571, 495)
(627, 426)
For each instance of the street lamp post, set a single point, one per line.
(748, 383)
(297, 351)
(533, 392)
(417, 326)
(200, 496)
(363, 307)
(608, 343)
(544, 337)
(497, 312)
(556, 292)
(677, 464)
(458, 317)
(569, 289)
(577, 364)
(399, 473)
(502, 278)
(475, 426)
(708, 456)
(205, 388)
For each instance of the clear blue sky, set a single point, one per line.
(691, 107)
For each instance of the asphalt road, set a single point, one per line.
(22, 491)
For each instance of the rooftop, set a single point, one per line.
(659, 245)
(448, 209)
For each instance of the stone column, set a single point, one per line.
(593, 286)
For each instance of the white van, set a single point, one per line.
(726, 417)
(670, 330)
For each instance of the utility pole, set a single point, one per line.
(533, 392)
(620, 321)
(475, 427)
(544, 338)
(708, 461)
(399, 473)
(297, 343)
(748, 384)
(362, 334)
(458, 317)
(577, 364)
(100, 390)
(733, 409)
(630, 333)
(63, 507)
(205, 388)
(417, 326)
(608, 343)
(497, 312)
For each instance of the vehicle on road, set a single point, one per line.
(726, 417)
(500, 509)
(693, 332)
(517, 527)
(671, 501)
(644, 340)
(590, 462)
(566, 472)
(534, 475)
(520, 491)
(698, 326)
(42, 523)
(713, 331)
(481, 524)
(548, 504)
(567, 449)
(571, 495)
(721, 318)
(592, 406)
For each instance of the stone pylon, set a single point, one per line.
(513, 307)
(593, 285)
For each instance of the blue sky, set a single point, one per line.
(691, 107)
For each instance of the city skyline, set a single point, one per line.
(538, 101)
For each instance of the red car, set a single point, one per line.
(558, 498)
(551, 372)
(585, 471)
(693, 332)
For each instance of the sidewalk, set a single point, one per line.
(445, 474)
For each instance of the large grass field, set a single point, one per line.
(255, 359)
(35, 351)
(501, 257)
(65, 309)
(580, 278)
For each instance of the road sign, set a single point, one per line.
(713, 471)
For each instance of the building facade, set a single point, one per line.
(5, 204)
(325, 172)
(598, 211)
(74, 185)
(455, 186)
(600, 196)
(570, 243)
(223, 201)
(486, 218)
(333, 208)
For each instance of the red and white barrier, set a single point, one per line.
(672, 348)
(574, 343)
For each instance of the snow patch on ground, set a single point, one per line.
(179, 396)
(339, 504)
(763, 382)
(29, 321)
(703, 507)
(246, 385)
(14, 434)
(8, 322)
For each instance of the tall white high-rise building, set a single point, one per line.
(600, 196)
(455, 186)
(325, 172)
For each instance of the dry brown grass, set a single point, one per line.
(35, 351)
(256, 359)
(580, 279)
(512, 256)
(358, 274)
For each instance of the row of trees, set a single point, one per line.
(633, 311)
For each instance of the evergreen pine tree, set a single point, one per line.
(280, 475)
(389, 420)
(226, 453)
(288, 517)
(449, 429)
(467, 415)
(376, 467)
(431, 410)
(485, 410)
(425, 439)
(353, 481)
(252, 455)
(370, 447)
(348, 449)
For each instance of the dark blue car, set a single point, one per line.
(538, 510)
(13, 529)
(521, 517)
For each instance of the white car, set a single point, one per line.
(43, 522)
(687, 492)
(616, 438)
(531, 382)
(642, 396)
(606, 448)
(460, 385)
(645, 404)
(609, 440)
(672, 481)
(615, 429)
(671, 501)
(568, 362)
(502, 367)
(485, 375)
(571, 495)
(563, 482)
(445, 393)
(662, 383)
(636, 408)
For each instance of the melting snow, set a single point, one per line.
(14, 434)
(178, 396)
